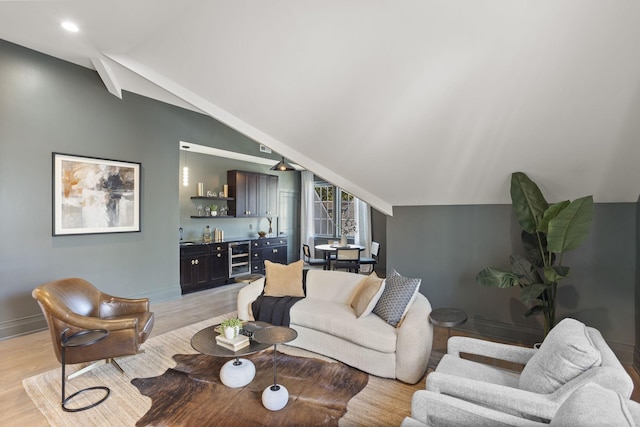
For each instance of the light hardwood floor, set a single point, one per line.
(31, 354)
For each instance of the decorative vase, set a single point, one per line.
(343, 240)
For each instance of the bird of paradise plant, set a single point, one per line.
(548, 232)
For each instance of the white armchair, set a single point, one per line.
(590, 405)
(571, 356)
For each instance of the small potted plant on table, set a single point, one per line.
(231, 328)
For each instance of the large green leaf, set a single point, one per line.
(528, 202)
(527, 274)
(536, 309)
(570, 228)
(556, 273)
(532, 292)
(496, 278)
(551, 212)
(532, 248)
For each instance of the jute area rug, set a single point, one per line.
(383, 402)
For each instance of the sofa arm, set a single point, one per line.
(507, 352)
(502, 398)
(246, 296)
(414, 341)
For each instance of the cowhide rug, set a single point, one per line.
(191, 394)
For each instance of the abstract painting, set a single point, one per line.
(92, 195)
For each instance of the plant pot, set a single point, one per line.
(231, 332)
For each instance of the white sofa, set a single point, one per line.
(327, 325)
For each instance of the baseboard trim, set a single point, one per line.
(528, 336)
(162, 295)
(25, 325)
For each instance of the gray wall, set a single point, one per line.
(447, 246)
(48, 105)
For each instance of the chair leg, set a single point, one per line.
(97, 364)
(87, 368)
(116, 364)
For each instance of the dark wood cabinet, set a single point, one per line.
(273, 249)
(253, 194)
(203, 266)
(194, 268)
(219, 268)
(267, 195)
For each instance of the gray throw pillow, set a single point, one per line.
(594, 406)
(399, 292)
(565, 353)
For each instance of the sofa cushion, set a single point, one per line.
(593, 405)
(367, 295)
(399, 292)
(283, 280)
(339, 320)
(565, 353)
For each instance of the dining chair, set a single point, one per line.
(348, 259)
(373, 259)
(306, 251)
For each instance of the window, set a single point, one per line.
(333, 211)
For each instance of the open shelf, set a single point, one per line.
(211, 198)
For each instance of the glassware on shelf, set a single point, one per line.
(199, 209)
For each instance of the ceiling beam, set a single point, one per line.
(250, 131)
(107, 76)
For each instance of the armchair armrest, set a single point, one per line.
(446, 411)
(507, 352)
(111, 306)
(87, 322)
(502, 398)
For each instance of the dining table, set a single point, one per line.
(328, 249)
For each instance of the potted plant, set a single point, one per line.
(214, 210)
(231, 327)
(548, 232)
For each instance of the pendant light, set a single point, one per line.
(282, 166)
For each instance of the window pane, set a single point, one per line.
(323, 210)
(348, 223)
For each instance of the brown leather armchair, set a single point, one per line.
(74, 304)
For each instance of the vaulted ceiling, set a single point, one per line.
(410, 102)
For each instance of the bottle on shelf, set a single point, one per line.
(206, 238)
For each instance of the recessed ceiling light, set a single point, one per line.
(70, 26)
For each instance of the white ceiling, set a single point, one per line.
(409, 102)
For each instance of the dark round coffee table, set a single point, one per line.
(237, 372)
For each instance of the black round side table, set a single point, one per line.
(275, 397)
(447, 317)
(80, 339)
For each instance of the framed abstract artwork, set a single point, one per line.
(92, 195)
